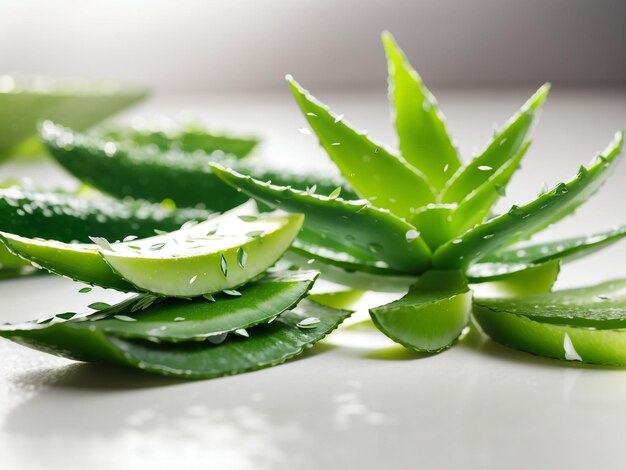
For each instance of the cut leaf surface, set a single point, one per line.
(504, 146)
(516, 280)
(424, 140)
(431, 316)
(366, 228)
(372, 170)
(521, 222)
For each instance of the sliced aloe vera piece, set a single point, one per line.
(585, 324)
(77, 103)
(175, 320)
(344, 299)
(477, 204)
(424, 140)
(521, 222)
(78, 261)
(566, 249)
(504, 146)
(431, 316)
(222, 253)
(367, 230)
(528, 279)
(268, 345)
(187, 137)
(366, 165)
(67, 217)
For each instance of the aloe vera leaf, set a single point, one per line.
(529, 279)
(355, 277)
(268, 345)
(477, 205)
(433, 224)
(431, 316)
(366, 228)
(78, 261)
(222, 253)
(372, 170)
(504, 146)
(521, 222)
(67, 217)
(566, 249)
(176, 320)
(77, 104)
(141, 172)
(197, 259)
(187, 138)
(424, 140)
(585, 324)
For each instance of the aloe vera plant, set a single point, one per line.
(422, 218)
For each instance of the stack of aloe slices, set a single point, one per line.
(80, 103)
(422, 217)
(207, 305)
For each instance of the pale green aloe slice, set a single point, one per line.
(585, 324)
(431, 316)
(366, 229)
(521, 222)
(208, 257)
(424, 140)
(366, 165)
(265, 345)
(504, 146)
(516, 280)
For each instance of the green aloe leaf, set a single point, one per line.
(566, 249)
(424, 140)
(366, 165)
(68, 217)
(76, 103)
(433, 223)
(188, 138)
(221, 253)
(431, 316)
(268, 345)
(368, 230)
(477, 205)
(521, 222)
(176, 320)
(162, 170)
(516, 280)
(504, 146)
(585, 324)
(141, 172)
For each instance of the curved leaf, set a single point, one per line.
(424, 140)
(372, 170)
(268, 345)
(176, 320)
(504, 146)
(521, 222)
(431, 316)
(433, 224)
(221, 253)
(477, 205)
(368, 230)
(585, 324)
(516, 280)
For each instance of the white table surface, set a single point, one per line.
(356, 400)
